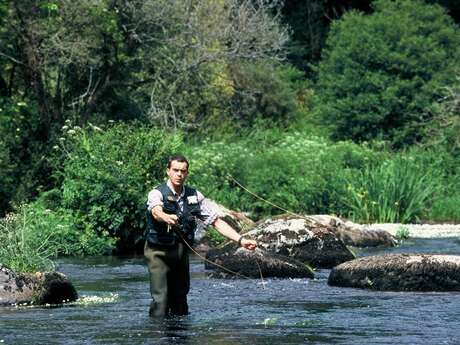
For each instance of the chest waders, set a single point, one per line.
(167, 255)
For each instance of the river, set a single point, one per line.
(114, 300)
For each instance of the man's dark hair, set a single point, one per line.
(177, 158)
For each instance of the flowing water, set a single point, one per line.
(114, 300)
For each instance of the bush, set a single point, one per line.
(23, 250)
(7, 176)
(269, 92)
(107, 174)
(379, 73)
(16, 148)
(35, 235)
(443, 133)
(300, 174)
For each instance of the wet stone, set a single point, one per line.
(302, 240)
(253, 264)
(37, 288)
(400, 272)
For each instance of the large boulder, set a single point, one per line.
(356, 235)
(253, 264)
(300, 239)
(400, 272)
(38, 288)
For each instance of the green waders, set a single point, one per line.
(169, 278)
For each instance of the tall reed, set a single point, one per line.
(394, 191)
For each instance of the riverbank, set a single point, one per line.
(420, 230)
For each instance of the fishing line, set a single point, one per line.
(307, 218)
(260, 271)
(214, 263)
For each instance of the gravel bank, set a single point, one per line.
(420, 230)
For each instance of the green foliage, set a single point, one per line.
(300, 174)
(443, 159)
(23, 250)
(35, 235)
(402, 233)
(107, 174)
(443, 132)
(397, 190)
(445, 208)
(22, 162)
(215, 237)
(27, 246)
(381, 72)
(269, 92)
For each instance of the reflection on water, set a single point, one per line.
(113, 309)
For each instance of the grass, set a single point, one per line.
(402, 233)
(396, 191)
(22, 249)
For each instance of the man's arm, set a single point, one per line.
(155, 205)
(226, 230)
(160, 216)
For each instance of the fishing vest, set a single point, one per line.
(158, 233)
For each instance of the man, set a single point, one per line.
(172, 211)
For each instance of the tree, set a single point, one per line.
(93, 60)
(76, 58)
(381, 72)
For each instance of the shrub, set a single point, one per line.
(107, 174)
(35, 235)
(265, 91)
(23, 250)
(300, 174)
(443, 132)
(17, 146)
(402, 233)
(379, 73)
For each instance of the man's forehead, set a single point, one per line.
(179, 165)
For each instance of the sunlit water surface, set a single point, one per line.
(113, 309)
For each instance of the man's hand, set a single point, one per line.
(170, 219)
(226, 230)
(159, 215)
(248, 244)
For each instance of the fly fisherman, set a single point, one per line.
(172, 210)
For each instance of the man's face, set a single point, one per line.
(177, 173)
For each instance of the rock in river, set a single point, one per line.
(400, 272)
(253, 264)
(37, 288)
(353, 234)
(299, 239)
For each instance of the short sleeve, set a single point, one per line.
(155, 198)
(209, 211)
